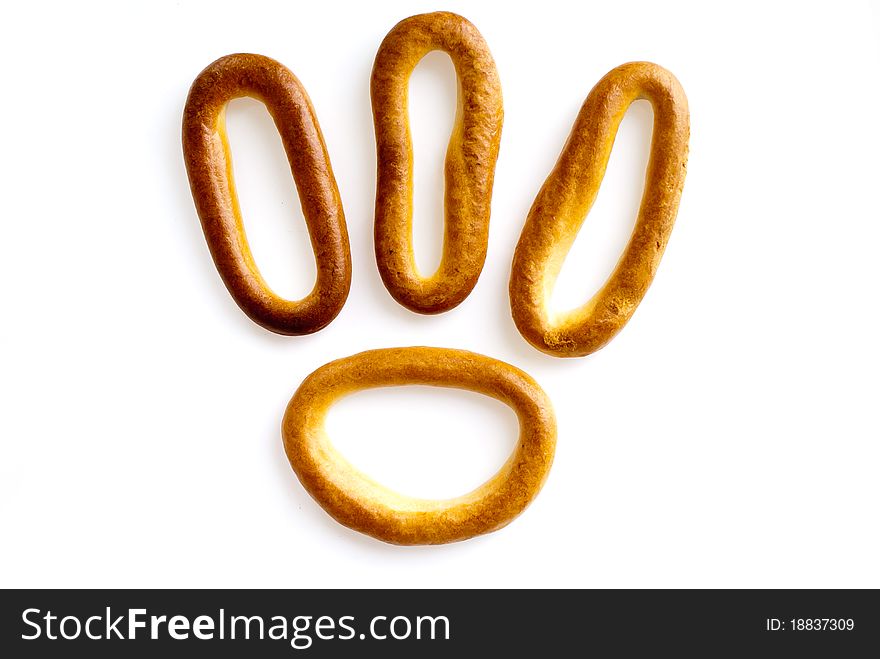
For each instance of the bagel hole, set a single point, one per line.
(433, 99)
(273, 218)
(421, 441)
(606, 231)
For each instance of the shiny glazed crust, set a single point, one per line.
(358, 502)
(566, 197)
(470, 160)
(209, 166)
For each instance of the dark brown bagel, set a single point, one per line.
(209, 166)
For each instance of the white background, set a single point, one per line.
(729, 436)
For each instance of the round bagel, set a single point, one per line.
(360, 503)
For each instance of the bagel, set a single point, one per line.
(209, 167)
(470, 160)
(566, 197)
(360, 503)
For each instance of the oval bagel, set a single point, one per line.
(566, 197)
(209, 166)
(358, 502)
(469, 168)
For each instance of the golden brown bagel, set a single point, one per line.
(358, 502)
(566, 197)
(209, 165)
(470, 160)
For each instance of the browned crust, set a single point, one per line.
(356, 501)
(209, 165)
(470, 160)
(566, 197)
